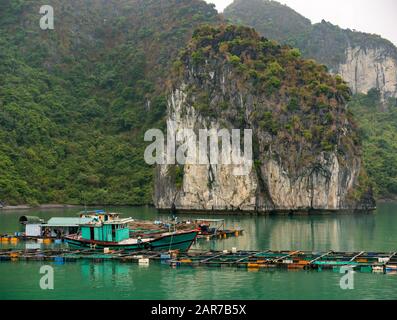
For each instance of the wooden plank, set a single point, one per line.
(287, 256)
(320, 257)
(252, 256)
(391, 256)
(242, 259)
(356, 256)
(259, 253)
(210, 258)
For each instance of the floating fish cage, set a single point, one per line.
(358, 261)
(365, 262)
(224, 234)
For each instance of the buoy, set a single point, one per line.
(4, 239)
(13, 239)
(236, 234)
(47, 241)
(106, 250)
(234, 250)
(58, 241)
(208, 238)
(40, 240)
(185, 261)
(224, 235)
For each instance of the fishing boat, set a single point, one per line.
(213, 228)
(177, 240)
(115, 234)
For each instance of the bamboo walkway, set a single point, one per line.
(254, 260)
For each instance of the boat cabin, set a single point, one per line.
(101, 215)
(109, 231)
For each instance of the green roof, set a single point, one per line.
(67, 222)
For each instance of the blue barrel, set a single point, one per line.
(58, 241)
(59, 260)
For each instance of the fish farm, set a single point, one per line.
(369, 262)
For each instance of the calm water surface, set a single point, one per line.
(112, 280)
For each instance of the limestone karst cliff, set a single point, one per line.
(368, 68)
(364, 60)
(307, 155)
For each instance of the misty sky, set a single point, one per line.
(372, 16)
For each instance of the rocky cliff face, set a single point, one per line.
(367, 68)
(365, 61)
(294, 169)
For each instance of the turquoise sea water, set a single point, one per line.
(111, 280)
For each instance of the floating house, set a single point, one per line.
(55, 227)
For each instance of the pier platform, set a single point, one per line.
(374, 262)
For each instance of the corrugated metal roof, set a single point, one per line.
(67, 222)
(119, 221)
(210, 220)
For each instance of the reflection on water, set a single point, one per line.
(88, 280)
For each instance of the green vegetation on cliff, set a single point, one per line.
(378, 128)
(327, 44)
(323, 41)
(75, 101)
(297, 102)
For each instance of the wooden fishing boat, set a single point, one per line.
(215, 228)
(115, 235)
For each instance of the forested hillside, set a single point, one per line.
(378, 130)
(75, 101)
(323, 41)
